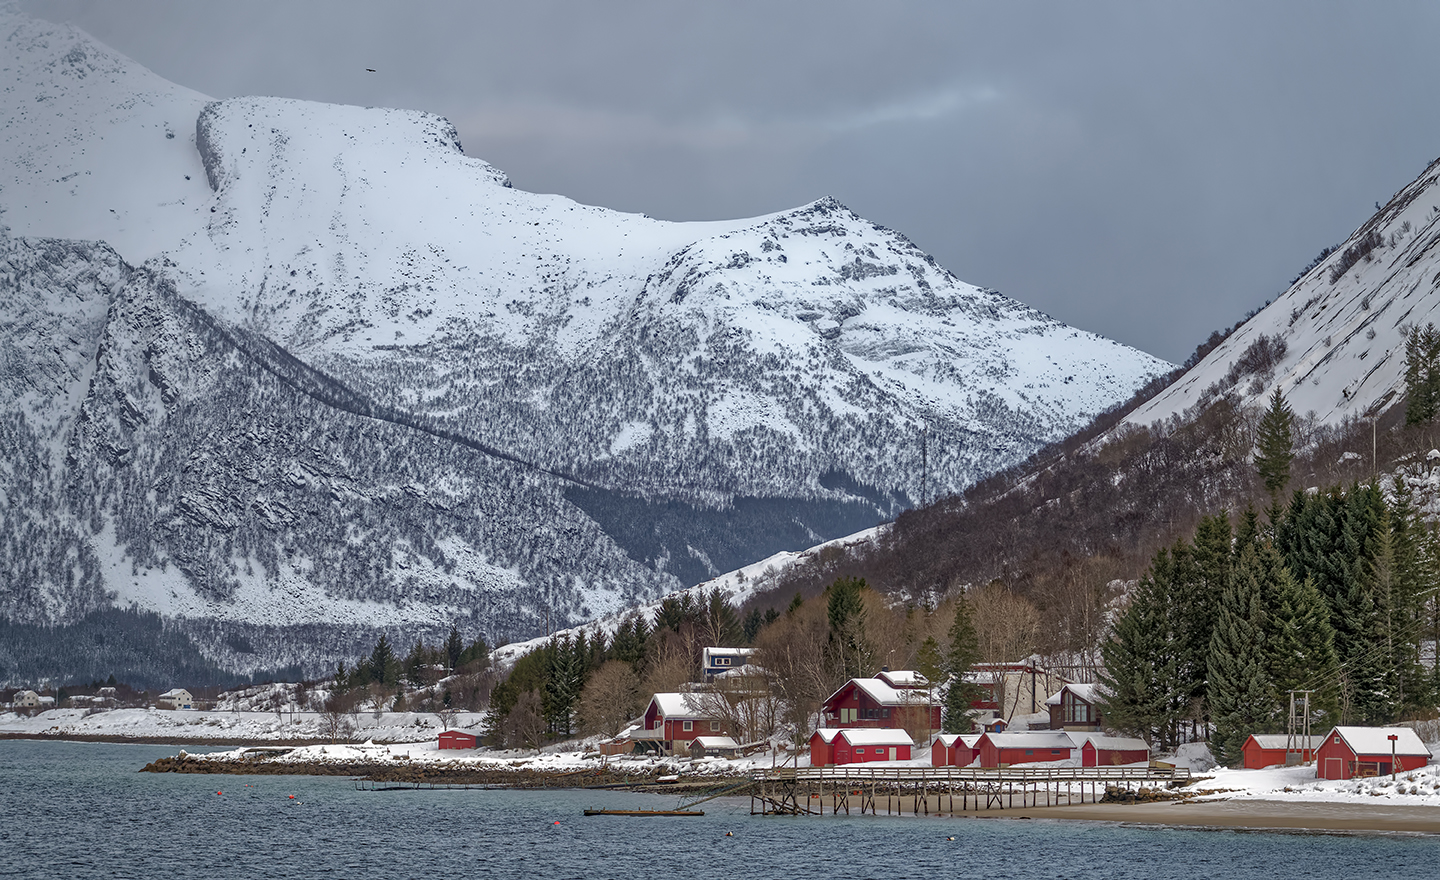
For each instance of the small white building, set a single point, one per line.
(25, 700)
(175, 698)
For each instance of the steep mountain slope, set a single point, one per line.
(326, 373)
(1341, 324)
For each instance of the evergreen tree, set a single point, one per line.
(846, 614)
(928, 660)
(1410, 582)
(963, 654)
(384, 667)
(1199, 575)
(1299, 641)
(1145, 693)
(1422, 374)
(1275, 448)
(1241, 695)
(454, 646)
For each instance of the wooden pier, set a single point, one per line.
(807, 791)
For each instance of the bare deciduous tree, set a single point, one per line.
(610, 700)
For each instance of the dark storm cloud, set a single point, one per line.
(1148, 171)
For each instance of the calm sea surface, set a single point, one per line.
(81, 810)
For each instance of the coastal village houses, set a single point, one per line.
(672, 721)
(892, 700)
(175, 698)
(1350, 752)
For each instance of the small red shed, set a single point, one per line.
(822, 746)
(457, 739)
(1112, 751)
(1268, 750)
(1030, 747)
(1348, 752)
(953, 749)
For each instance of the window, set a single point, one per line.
(722, 661)
(714, 726)
(689, 725)
(860, 751)
(1029, 751)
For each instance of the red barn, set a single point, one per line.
(1268, 749)
(457, 739)
(1112, 751)
(953, 750)
(1348, 752)
(1005, 749)
(873, 702)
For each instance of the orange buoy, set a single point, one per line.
(217, 792)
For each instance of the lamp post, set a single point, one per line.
(1392, 737)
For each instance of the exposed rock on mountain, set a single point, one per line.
(328, 374)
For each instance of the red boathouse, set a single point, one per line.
(457, 739)
(1348, 752)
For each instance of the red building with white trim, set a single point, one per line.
(858, 745)
(1029, 747)
(1348, 752)
(953, 750)
(671, 721)
(1268, 750)
(458, 739)
(874, 702)
(1113, 751)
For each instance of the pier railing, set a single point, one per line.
(856, 773)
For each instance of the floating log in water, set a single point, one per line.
(644, 812)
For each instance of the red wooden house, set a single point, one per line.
(1268, 749)
(953, 750)
(873, 702)
(1112, 751)
(457, 739)
(1005, 749)
(1348, 752)
(671, 721)
(822, 746)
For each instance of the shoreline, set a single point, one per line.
(219, 742)
(1256, 815)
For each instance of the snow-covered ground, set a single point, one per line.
(1299, 785)
(227, 725)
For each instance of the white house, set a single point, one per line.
(175, 698)
(25, 700)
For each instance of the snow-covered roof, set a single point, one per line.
(1376, 740)
(885, 695)
(1090, 693)
(175, 692)
(903, 678)
(876, 736)
(715, 742)
(679, 705)
(1034, 739)
(827, 734)
(1118, 743)
(968, 739)
(1277, 741)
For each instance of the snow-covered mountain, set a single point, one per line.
(285, 372)
(1334, 342)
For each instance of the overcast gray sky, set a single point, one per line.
(1150, 171)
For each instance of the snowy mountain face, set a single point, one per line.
(1334, 342)
(286, 373)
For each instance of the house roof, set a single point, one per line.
(679, 706)
(1277, 741)
(1036, 739)
(948, 739)
(903, 678)
(1376, 740)
(876, 736)
(884, 694)
(175, 692)
(1119, 743)
(1090, 693)
(826, 734)
(714, 742)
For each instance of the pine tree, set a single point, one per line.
(454, 646)
(384, 668)
(1142, 682)
(1406, 617)
(1299, 641)
(963, 654)
(1241, 694)
(1275, 448)
(846, 614)
(1422, 374)
(928, 661)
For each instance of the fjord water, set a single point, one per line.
(82, 810)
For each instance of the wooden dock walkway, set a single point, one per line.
(940, 790)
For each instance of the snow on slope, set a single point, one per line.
(347, 372)
(1342, 322)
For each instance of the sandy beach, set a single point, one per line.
(1258, 814)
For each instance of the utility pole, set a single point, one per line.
(1297, 732)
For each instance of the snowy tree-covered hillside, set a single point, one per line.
(286, 372)
(1334, 342)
